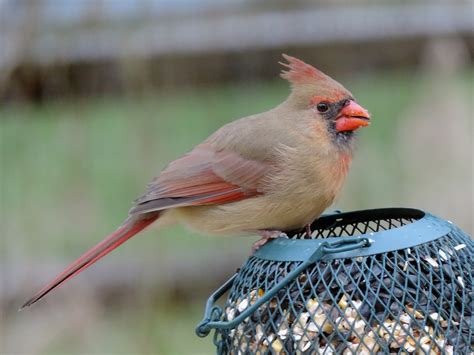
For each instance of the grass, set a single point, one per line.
(71, 168)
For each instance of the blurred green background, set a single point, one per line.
(80, 138)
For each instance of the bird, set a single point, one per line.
(263, 174)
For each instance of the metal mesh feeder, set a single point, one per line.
(376, 281)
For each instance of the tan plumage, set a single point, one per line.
(296, 188)
(274, 171)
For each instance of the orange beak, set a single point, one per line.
(351, 117)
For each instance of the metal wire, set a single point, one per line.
(414, 300)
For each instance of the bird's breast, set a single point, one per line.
(307, 186)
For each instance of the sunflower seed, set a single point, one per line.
(243, 305)
(443, 255)
(431, 261)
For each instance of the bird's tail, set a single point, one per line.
(121, 235)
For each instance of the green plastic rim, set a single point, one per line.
(423, 229)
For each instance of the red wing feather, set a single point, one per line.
(203, 177)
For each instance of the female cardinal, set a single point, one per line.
(264, 174)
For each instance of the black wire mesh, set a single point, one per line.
(414, 300)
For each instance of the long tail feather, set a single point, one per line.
(121, 235)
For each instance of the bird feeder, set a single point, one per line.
(377, 281)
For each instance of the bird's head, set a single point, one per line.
(322, 103)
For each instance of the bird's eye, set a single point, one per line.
(322, 107)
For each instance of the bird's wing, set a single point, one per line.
(201, 177)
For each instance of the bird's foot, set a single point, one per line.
(266, 235)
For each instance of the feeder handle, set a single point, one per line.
(213, 313)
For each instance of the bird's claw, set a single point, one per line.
(267, 235)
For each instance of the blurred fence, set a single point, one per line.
(105, 34)
(82, 38)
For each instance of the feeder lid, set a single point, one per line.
(424, 228)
